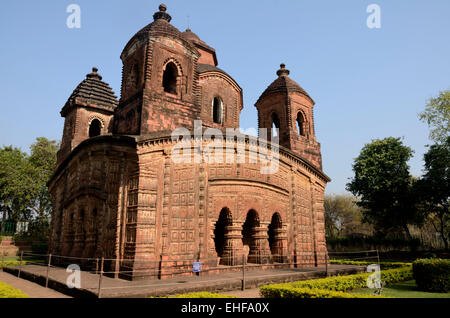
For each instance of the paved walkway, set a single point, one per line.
(33, 290)
(110, 287)
(248, 293)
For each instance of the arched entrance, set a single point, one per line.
(227, 239)
(95, 128)
(277, 239)
(217, 110)
(248, 229)
(170, 76)
(275, 125)
(220, 230)
(255, 237)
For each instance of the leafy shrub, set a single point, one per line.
(429, 255)
(370, 242)
(17, 263)
(38, 230)
(383, 265)
(349, 282)
(7, 291)
(332, 287)
(293, 292)
(39, 248)
(432, 275)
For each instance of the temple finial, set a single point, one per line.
(283, 71)
(162, 13)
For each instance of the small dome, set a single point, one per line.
(93, 92)
(193, 38)
(205, 68)
(283, 84)
(161, 24)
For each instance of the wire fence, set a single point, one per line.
(172, 268)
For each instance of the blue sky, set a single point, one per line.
(367, 83)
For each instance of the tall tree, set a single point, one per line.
(43, 161)
(23, 178)
(16, 179)
(383, 184)
(434, 189)
(437, 116)
(343, 216)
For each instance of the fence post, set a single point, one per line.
(48, 269)
(326, 264)
(96, 266)
(116, 266)
(20, 264)
(378, 257)
(243, 271)
(100, 279)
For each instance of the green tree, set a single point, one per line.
(343, 216)
(437, 116)
(434, 189)
(43, 161)
(384, 186)
(16, 178)
(23, 178)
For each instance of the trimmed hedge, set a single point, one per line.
(372, 242)
(17, 263)
(432, 275)
(383, 265)
(293, 292)
(41, 248)
(202, 295)
(7, 291)
(333, 287)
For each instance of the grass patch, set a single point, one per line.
(406, 289)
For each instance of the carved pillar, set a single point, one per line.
(165, 244)
(211, 244)
(232, 250)
(259, 246)
(279, 245)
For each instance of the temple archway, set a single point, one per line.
(170, 76)
(221, 229)
(248, 234)
(95, 128)
(277, 239)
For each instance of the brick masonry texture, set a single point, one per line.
(117, 193)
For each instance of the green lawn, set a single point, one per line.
(403, 290)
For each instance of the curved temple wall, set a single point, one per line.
(152, 213)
